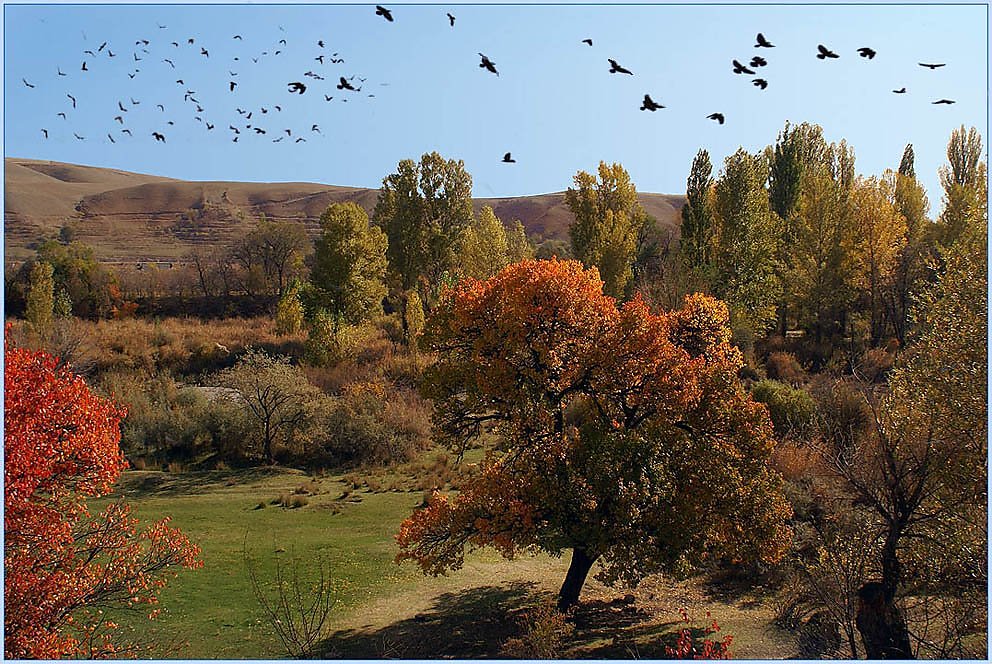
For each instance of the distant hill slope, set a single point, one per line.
(134, 217)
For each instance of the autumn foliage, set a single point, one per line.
(63, 566)
(624, 435)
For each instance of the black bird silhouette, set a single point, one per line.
(900, 91)
(763, 43)
(119, 118)
(102, 46)
(110, 53)
(320, 59)
(758, 61)
(232, 73)
(130, 75)
(84, 66)
(160, 107)
(741, 69)
(170, 62)
(233, 85)
(716, 116)
(72, 98)
(203, 51)
(45, 132)
(383, 12)
(649, 104)
(62, 114)
(944, 101)
(278, 108)
(237, 37)
(90, 53)
(315, 128)
(199, 109)
(587, 41)
(488, 64)
(825, 52)
(344, 84)
(932, 66)
(234, 129)
(507, 159)
(760, 83)
(615, 68)
(240, 111)
(300, 140)
(248, 117)
(161, 27)
(320, 43)
(158, 137)
(289, 132)
(259, 130)
(277, 140)
(30, 85)
(189, 41)
(82, 138)
(176, 44)
(282, 41)
(336, 61)
(127, 131)
(451, 19)
(171, 123)
(136, 58)
(133, 101)
(209, 126)
(142, 41)
(111, 138)
(121, 106)
(59, 71)
(326, 98)
(264, 110)
(235, 139)
(866, 52)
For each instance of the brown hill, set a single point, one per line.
(134, 217)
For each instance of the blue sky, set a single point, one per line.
(554, 105)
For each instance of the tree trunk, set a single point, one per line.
(582, 562)
(881, 624)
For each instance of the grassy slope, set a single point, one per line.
(385, 609)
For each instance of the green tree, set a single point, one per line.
(484, 247)
(289, 312)
(696, 245)
(270, 256)
(413, 317)
(75, 269)
(41, 298)
(518, 245)
(424, 208)
(747, 242)
(910, 200)
(965, 184)
(349, 265)
(608, 219)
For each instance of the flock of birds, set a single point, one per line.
(250, 118)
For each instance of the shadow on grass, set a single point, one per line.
(142, 484)
(471, 623)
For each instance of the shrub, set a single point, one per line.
(792, 409)
(785, 367)
(545, 630)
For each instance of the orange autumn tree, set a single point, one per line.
(62, 565)
(623, 436)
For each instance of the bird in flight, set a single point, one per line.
(135, 103)
(763, 43)
(943, 101)
(282, 41)
(72, 98)
(233, 85)
(300, 140)
(237, 37)
(259, 130)
(741, 69)
(84, 66)
(119, 118)
(203, 51)
(760, 83)
(127, 131)
(320, 43)
(320, 58)
(315, 128)
(102, 46)
(90, 53)
(866, 52)
(45, 132)
(158, 137)
(758, 61)
(81, 138)
(111, 138)
(451, 19)
(825, 52)
(210, 126)
(160, 107)
(326, 98)
(900, 91)
(62, 114)
(507, 159)
(297, 87)
(649, 104)
(30, 85)
(716, 116)
(932, 66)
(110, 53)
(383, 12)
(59, 71)
(488, 64)
(145, 42)
(587, 41)
(136, 58)
(170, 62)
(121, 106)
(615, 68)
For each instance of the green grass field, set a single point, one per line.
(382, 609)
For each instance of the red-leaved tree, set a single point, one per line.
(64, 566)
(624, 436)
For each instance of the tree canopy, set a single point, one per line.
(623, 435)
